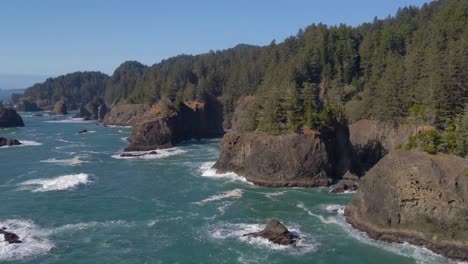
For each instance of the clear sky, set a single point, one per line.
(41, 38)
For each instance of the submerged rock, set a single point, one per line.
(415, 197)
(10, 237)
(138, 155)
(277, 233)
(10, 118)
(83, 131)
(9, 142)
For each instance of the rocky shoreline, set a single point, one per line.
(415, 197)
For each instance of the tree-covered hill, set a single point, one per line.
(412, 65)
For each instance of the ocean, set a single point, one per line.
(73, 199)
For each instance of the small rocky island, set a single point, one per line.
(277, 233)
(9, 117)
(9, 142)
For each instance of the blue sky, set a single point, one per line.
(52, 37)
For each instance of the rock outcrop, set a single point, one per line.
(291, 160)
(277, 233)
(349, 183)
(10, 237)
(372, 140)
(60, 108)
(96, 110)
(9, 142)
(27, 106)
(10, 118)
(415, 197)
(125, 114)
(191, 120)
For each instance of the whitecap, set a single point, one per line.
(237, 231)
(68, 162)
(24, 143)
(160, 153)
(71, 121)
(62, 183)
(124, 139)
(236, 193)
(207, 170)
(334, 208)
(35, 240)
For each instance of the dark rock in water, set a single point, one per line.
(194, 119)
(415, 197)
(10, 118)
(349, 183)
(344, 186)
(138, 155)
(27, 106)
(277, 233)
(10, 237)
(38, 115)
(60, 108)
(9, 142)
(83, 131)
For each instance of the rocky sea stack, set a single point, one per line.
(277, 233)
(10, 118)
(163, 128)
(95, 110)
(310, 159)
(415, 197)
(9, 142)
(25, 105)
(60, 108)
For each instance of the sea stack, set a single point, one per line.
(10, 118)
(415, 197)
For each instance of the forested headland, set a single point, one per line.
(409, 68)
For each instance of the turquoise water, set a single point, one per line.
(72, 200)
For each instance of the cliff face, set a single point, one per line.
(415, 197)
(124, 114)
(190, 121)
(372, 140)
(60, 108)
(27, 106)
(9, 118)
(95, 110)
(305, 160)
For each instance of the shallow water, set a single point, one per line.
(72, 199)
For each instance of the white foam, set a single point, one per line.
(207, 170)
(236, 231)
(335, 208)
(124, 139)
(420, 254)
(68, 162)
(24, 143)
(35, 240)
(71, 121)
(274, 194)
(161, 153)
(66, 182)
(236, 193)
(116, 126)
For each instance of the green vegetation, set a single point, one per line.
(406, 68)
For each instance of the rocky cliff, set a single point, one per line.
(27, 106)
(125, 114)
(418, 198)
(191, 120)
(372, 140)
(95, 110)
(60, 108)
(307, 160)
(9, 118)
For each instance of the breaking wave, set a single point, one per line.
(62, 183)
